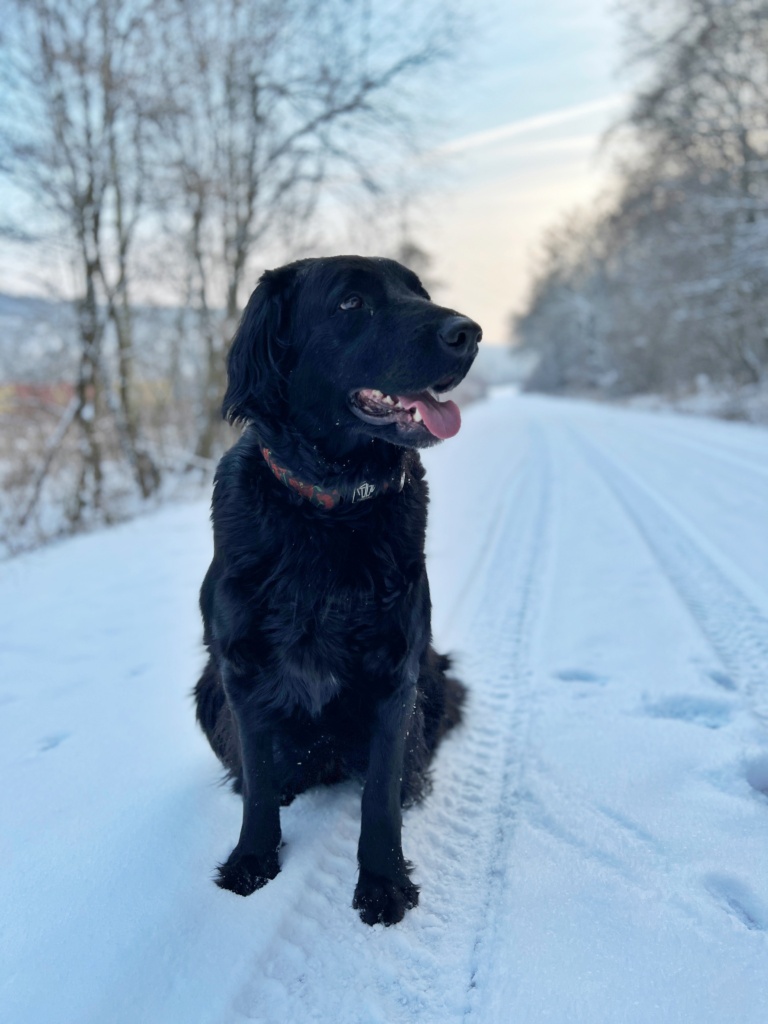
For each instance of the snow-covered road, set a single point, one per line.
(596, 846)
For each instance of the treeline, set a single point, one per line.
(666, 288)
(157, 146)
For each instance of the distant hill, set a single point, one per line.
(37, 340)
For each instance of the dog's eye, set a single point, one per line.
(351, 302)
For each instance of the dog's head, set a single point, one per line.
(343, 349)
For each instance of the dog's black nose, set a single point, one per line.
(460, 334)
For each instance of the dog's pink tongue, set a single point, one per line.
(442, 419)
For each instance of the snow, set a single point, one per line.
(595, 847)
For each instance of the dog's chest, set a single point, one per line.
(338, 616)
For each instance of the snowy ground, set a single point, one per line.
(595, 849)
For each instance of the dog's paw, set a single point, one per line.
(382, 901)
(244, 873)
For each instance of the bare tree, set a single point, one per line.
(263, 128)
(204, 134)
(74, 140)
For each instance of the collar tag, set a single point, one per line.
(363, 492)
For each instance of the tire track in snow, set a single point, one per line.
(487, 527)
(744, 445)
(569, 813)
(711, 449)
(517, 572)
(734, 626)
(430, 967)
(734, 470)
(565, 809)
(684, 473)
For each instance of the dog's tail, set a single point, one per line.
(439, 709)
(455, 699)
(444, 699)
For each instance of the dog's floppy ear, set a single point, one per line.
(256, 360)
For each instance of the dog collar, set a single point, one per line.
(328, 497)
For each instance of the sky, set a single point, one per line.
(522, 148)
(515, 145)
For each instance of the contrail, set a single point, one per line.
(528, 124)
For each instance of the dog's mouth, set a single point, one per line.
(421, 412)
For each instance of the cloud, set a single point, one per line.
(528, 124)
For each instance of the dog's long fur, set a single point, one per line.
(317, 620)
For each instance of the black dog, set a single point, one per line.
(316, 605)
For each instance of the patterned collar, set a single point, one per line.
(329, 497)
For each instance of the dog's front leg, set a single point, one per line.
(254, 861)
(384, 891)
